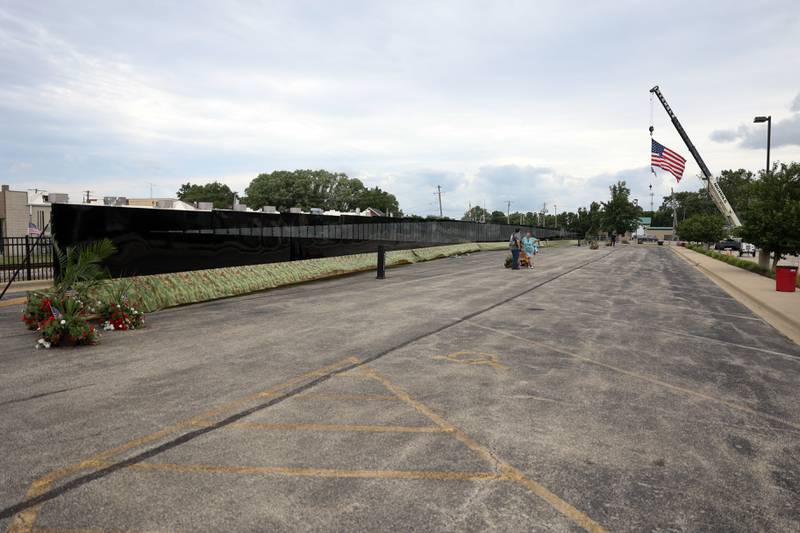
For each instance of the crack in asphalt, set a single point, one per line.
(43, 394)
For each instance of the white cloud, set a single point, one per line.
(20, 167)
(785, 132)
(493, 101)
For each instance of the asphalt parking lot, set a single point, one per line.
(615, 390)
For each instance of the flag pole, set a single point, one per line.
(674, 214)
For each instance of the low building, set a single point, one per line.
(161, 203)
(26, 212)
(659, 233)
(151, 202)
(13, 213)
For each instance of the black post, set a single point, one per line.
(381, 261)
(28, 257)
(769, 136)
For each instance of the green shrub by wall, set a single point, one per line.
(735, 261)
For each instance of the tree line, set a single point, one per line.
(305, 189)
(768, 204)
(617, 215)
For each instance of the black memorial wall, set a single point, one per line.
(155, 241)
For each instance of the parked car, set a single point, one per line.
(728, 244)
(747, 248)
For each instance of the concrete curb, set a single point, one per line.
(13, 301)
(786, 324)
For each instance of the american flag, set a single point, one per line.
(33, 230)
(664, 158)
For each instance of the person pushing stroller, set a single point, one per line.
(529, 247)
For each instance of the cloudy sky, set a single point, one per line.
(526, 101)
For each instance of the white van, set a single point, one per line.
(748, 249)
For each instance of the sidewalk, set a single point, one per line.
(780, 309)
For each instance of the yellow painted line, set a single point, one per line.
(644, 377)
(348, 397)
(317, 472)
(472, 358)
(23, 521)
(276, 389)
(353, 374)
(333, 427)
(506, 470)
(13, 301)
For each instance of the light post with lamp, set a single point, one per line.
(763, 257)
(768, 120)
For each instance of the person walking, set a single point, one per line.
(514, 243)
(529, 247)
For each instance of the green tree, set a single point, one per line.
(316, 188)
(218, 193)
(345, 193)
(476, 214)
(735, 184)
(687, 204)
(518, 218)
(703, 227)
(378, 199)
(568, 220)
(595, 218)
(498, 217)
(282, 188)
(772, 217)
(619, 213)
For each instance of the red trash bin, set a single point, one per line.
(786, 278)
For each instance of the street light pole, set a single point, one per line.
(763, 256)
(768, 120)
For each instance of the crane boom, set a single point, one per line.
(714, 190)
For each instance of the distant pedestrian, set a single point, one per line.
(515, 244)
(613, 239)
(529, 247)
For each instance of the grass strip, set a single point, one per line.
(161, 291)
(735, 261)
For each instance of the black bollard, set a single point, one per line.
(381, 262)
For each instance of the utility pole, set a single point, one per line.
(555, 217)
(439, 193)
(674, 212)
(88, 201)
(508, 211)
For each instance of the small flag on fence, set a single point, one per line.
(664, 158)
(33, 230)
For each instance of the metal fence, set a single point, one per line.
(13, 253)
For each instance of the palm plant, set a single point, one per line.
(81, 267)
